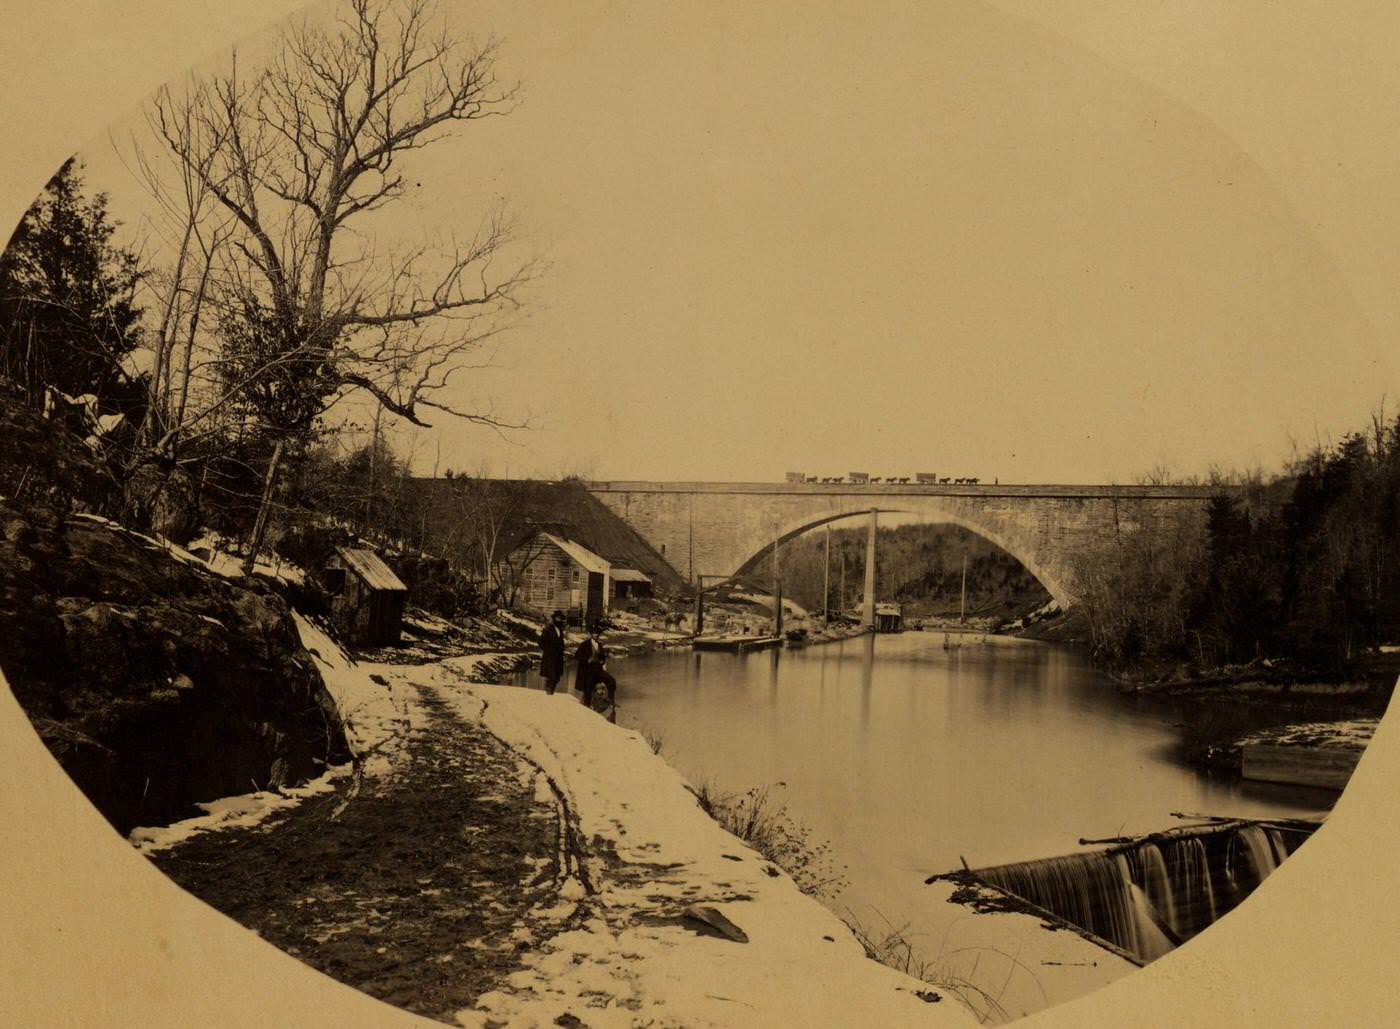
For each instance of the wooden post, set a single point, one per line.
(841, 600)
(962, 604)
(777, 592)
(867, 615)
(260, 525)
(826, 580)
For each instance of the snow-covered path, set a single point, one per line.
(649, 853)
(613, 928)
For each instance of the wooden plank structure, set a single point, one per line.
(1326, 767)
(560, 573)
(367, 598)
(628, 582)
(889, 617)
(737, 644)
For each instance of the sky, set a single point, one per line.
(1035, 242)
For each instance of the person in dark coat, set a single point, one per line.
(552, 652)
(592, 671)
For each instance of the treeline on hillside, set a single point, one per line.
(471, 525)
(919, 566)
(1305, 567)
(208, 361)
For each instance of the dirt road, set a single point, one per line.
(416, 886)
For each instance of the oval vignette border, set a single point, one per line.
(1308, 950)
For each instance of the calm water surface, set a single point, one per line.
(908, 757)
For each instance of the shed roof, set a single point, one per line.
(581, 554)
(628, 575)
(371, 568)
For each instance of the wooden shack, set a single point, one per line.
(367, 598)
(889, 617)
(629, 583)
(558, 573)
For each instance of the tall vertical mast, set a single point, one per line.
(867, 615)
(841, 600)
(826, 578)
(777, 592)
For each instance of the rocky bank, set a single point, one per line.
(155, 683)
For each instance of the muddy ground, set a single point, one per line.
(415, 886)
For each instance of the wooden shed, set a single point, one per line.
(367, 598)
(889, 617)
(554, 572)
(629, 583)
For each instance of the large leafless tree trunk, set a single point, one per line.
(295, 158)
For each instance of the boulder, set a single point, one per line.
(155, 683)
(162, 497)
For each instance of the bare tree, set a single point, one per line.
(484, 511)
(512, 569)
(296, 157)
(191, 224)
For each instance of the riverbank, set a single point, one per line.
(1368, 681)
(591, 890)
(903, 757)
(1368, 676)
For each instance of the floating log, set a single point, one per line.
(1301, 824)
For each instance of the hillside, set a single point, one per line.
(919, 566)
(518, 507)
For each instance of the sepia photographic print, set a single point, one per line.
(723, 514)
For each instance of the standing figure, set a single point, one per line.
(592, 672)
(552, 652)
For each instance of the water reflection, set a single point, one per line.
(904, 755)
(867, 677)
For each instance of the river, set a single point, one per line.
(907, 756)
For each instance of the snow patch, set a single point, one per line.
(243, 811)
(376, 704)
(638, 960)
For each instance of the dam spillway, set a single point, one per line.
(1149, 896)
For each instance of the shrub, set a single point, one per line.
(764, 824)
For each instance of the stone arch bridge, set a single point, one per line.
(715, 528)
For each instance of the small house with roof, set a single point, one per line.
(367, 598)
(552, 573)
(629, 583)
(889, 617)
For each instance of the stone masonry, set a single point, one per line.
(716, 528)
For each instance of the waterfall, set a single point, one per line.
(1149, 896)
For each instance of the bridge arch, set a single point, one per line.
(1051, 580)
(717, 527)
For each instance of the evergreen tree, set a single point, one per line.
(68, 317)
